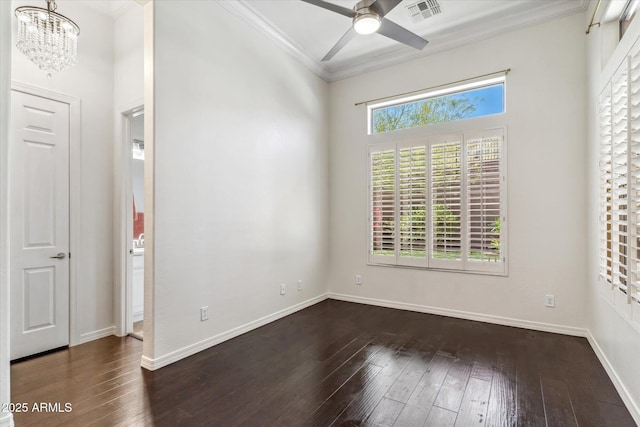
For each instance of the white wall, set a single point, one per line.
(91, 80)
(128, 78)
(545, 122)
(241, 187)
(6, 12)
(129, 59)
(613, 324)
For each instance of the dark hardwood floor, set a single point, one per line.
(338, 364)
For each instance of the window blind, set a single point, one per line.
(382, 215)
(619, 178)
(606, 260)
(412, 202)
(446, 200)
(447, 196)
(483, 195)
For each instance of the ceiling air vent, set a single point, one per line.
(424, 9)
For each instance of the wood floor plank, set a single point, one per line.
(385, 414)
(473, 410)
(333, 363)
(454, 385)
(557, 403)
(412, 416)
(429, 385)
(440, 417)
(407, 381)
(502, 402)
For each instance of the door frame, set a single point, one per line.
(123, 217)
(75, 193)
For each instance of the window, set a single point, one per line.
(439, 202)
(481, 98)
(627, 16)
(619, 166)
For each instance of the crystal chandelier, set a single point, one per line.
(48, 39)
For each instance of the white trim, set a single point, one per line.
(75, 194)
(632, 406)
(398, 54)
(121, 211)
(7, 420)
(174, 356)
(6, 12)
(250, 16)
(96, 335)
(467, 315)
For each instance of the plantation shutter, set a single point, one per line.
(412, 204)
(484, 200)
(446, 202)
(619, 179)
(634, 174)
(605, 185)
(382, 205)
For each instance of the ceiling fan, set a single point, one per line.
(367, 18)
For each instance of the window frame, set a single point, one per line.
(442, 91)
(419, 136)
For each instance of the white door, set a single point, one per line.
(39, 216)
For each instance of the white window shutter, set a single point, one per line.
(619, 176)
(445, 181)
(412, 204)
(382, 205)
(484, 197)
(633, 124)
(606, 259)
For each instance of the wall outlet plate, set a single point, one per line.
(283, 289)
(549, 301)
(204, 313)
(299, 285)
(358, 279)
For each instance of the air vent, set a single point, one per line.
(424, 9)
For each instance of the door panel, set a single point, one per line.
(39, 209)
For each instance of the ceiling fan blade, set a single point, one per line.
(382, 7)
(341, 43)
(332, 7)
(400, 34)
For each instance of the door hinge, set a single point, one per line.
(69, 255)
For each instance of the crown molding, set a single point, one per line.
(547, 11)
(250, 16)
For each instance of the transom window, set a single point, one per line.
(476, 99)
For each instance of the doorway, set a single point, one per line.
(135, 225)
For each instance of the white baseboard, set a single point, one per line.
(498, 320)
(94, 335)
(138, 316)
(174, 356)
(632, 406)
(6, 420)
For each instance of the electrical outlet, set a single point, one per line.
(283, 289)
(299, 285)
(358, 279)
(549, 301)
(204, 313)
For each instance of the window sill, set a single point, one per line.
(443, 270)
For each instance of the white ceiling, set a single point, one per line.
(309, 31)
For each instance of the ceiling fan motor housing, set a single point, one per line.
(366, 21)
